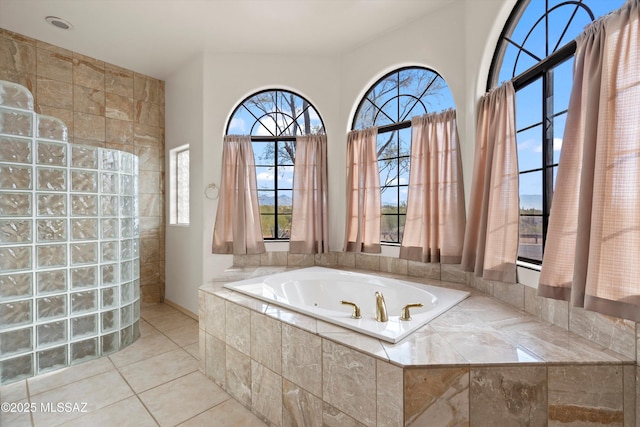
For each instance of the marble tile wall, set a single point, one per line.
(107, 106)
(316, 379)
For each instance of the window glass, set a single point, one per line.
(274, 118)
(536, 52)
(390, 104)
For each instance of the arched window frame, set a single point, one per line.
(393, 216)
(273, 134)
(552, 116)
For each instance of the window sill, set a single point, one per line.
(528, 265)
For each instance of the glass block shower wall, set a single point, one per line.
(69, 248)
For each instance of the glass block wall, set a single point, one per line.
(69, 247)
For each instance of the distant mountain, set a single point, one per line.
(283, 200)
(531, 201)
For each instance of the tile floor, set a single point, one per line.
(153, 382)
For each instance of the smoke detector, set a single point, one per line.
(59, 22)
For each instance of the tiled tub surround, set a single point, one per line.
(69, 251)
(480, 363)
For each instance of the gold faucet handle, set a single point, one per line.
(356, 309)
(404, 313)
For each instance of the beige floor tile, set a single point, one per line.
(146, 328)
(193, 349)
(185, 335)
(13, 392)
(126, 413)
(159, 369)
(145, 347)
(172, 321)
(42, 383)
(183, 398)
(15, 418)
(97, 392)
(229, 414)
(151, 310)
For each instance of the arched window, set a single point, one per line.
(274, 118)
(536, 51)
(389, 105)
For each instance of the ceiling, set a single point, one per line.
(154, 37)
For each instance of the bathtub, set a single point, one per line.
(318, 292)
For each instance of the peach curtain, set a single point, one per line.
(491, 237)
(434, 228)
(592, 252)
(237, 227)
(363, 192)
(309, 222)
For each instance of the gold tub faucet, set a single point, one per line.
(381, 308)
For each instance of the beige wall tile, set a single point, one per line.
(215, 359)
(26, 80)
(421, 269)
(149, 114)
(88, 72)
(118, 80)
(238, 375)
(214, 316)
(266, 393)
(150, 205)
(611, 332)
(555, 312)
(509, 396)
(148, 89)
(300, 260)
(238, 327)
(511, 293)
(390, 392)
(274, 258)
(599, 400)
(299, 407)
(394, 265)
(119, 132)
(266, 341)
(368, 262)
(56, 94)
(87, 100)
(629, 384)
(349, 381)
(55, 64)
(452, 273)
(119, 107)
(302, 359)
(326, 260)
(150, 250)
(347, 259)
(152, 226)
(436, 396)
(333, 417)
(148, 136)
(16, 55)
(482, 285)
(89, 126)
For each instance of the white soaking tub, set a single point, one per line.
(318, 292)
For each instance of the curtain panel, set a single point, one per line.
(435, 223)
(363, 192)
(237, 228)
(309, 218)
(593, 241)
(491, 236)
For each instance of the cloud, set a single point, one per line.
(237, 126)
(557, 144)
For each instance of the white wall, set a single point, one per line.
(184, 125)
(230, 78)
(457, 41)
